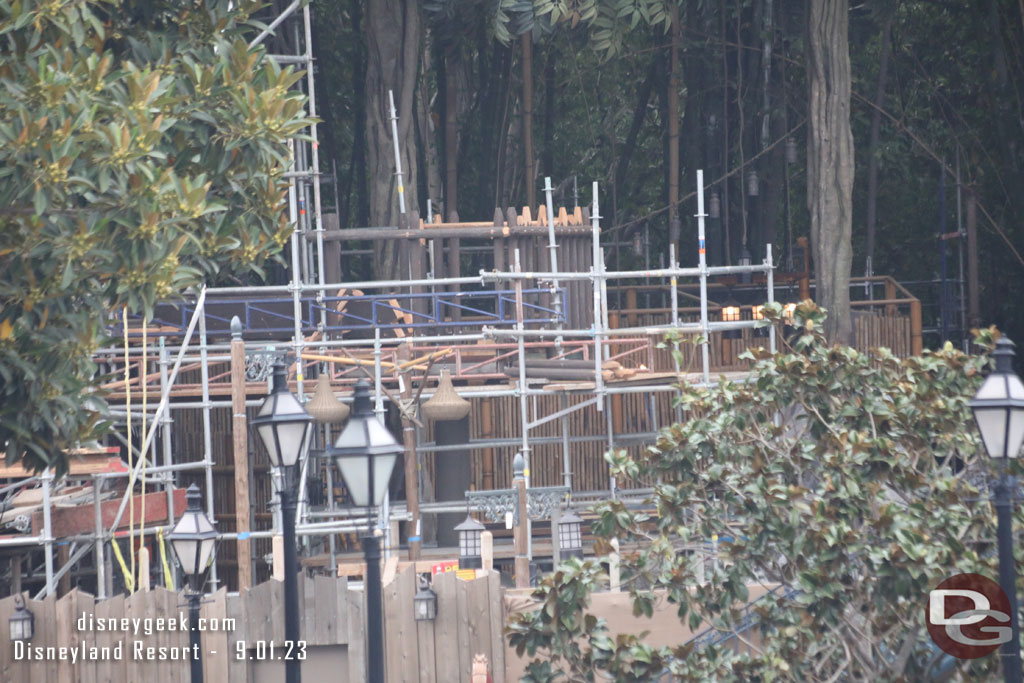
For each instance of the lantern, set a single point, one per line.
(365, 451)
(570, 540)
(999, 406)
(469, 544)
(193, 538)
(22, 622)
(282, 422)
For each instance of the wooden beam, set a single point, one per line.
(240, 458)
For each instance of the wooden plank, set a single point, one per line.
(396, 635)
(321, 614)
(462, 629)
(215, 642)
(343, 625)
(357, 635)
(46, 635)
(112, 670)
(77, 466)
(240, 460)
(496, 606)
(307, 617)
(406, 624)
(477, 619)
(446, 646)
(425, 652)
(238, 670)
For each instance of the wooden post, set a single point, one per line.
(277, 548)
(63, 555)
(521, 528)
(487, 551)
(973, 292)
(487, 427)
(890, 294)
(144, 584)
(614, 580)
(916, 342)
(412, 479)
(240, 453)
(527, 46)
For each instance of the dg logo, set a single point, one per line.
(968, 616)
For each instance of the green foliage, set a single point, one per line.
(142, 151)
(854, 480)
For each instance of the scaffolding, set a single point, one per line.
(527, 310)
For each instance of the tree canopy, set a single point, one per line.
(142, 151)
(848, 479)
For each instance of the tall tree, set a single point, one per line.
(830, 160)
(393, 51)
(142, 152)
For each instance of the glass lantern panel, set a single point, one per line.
(1016, 432)
(383, 464)
(421, 610)
(186, 551)
(1016, 388)
(206, 553)
(17, 629)
(357, 478)
(992, 425)
(292, 436)
(266, 433)
(378, 435)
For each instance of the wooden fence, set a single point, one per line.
(469, 621)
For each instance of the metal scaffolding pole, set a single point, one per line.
(703, 274)
(204, 373)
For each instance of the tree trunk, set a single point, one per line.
(876, 126)
(830, 161)
(427, 129)
(549, 110)
(531, 192)
(451, 133)
(393, 48)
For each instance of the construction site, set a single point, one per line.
(505, 336)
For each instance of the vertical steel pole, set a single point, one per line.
(47, 478)
(398, 157)
(770, 277)
(553, 253)
(165, 423)
(204, 370)
(293, 671)
(195, 637)
(595, 275)
(101, 579)
(374, 616)
(1010, 651)
(703, 265)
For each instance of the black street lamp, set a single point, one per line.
(365, 453)
(999, 411)
(283, 425)
(193, 539)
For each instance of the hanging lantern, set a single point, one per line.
(470, 556)
(715, 206)
(712, 125)
(791, 150)
(424, 603)
(753, 184)
(22, 622)
(445, 404)
(638, 243)
(324, 407)
(570, 540)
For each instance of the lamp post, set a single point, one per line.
(283, 424)
(193, 539)
(365, 453)
(999, 411)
